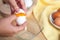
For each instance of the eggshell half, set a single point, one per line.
(20, 20)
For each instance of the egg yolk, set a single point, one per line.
(20, 14)
(56, 14)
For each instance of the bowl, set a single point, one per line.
(52, 21)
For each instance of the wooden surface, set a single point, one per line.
(38, 37)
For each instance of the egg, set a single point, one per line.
(57, 21)
(20, 20)
(55, 15)
(21, 17)
(58, 10)
(28, 3)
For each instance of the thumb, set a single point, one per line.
(11, 18)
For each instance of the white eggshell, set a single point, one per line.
(28, 3)
(21, 11)
(20, 20)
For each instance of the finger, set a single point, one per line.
(17, 29)
(22, 4)
(6, 35)
(13, 4)
(11, 18)
(12, 10)
(25, 24)
(21, 27)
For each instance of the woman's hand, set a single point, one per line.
(16, 5)
(7, 29)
